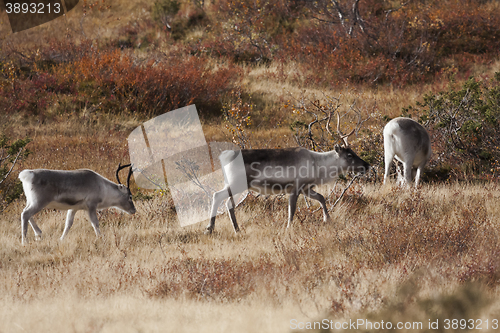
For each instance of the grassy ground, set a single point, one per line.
(146, 273)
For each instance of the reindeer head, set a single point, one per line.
(352, 162)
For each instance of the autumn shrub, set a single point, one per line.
(379, 41)
(28, 83)
(115, 81)
(464, 123)
(465, 27)
(29, 89)
(253, 31)
(31, 96)
(211, 279)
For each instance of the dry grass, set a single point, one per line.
(137, 314)
(146, 273)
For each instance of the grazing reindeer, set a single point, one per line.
(409, 143)
(72, 190)
(290, 170)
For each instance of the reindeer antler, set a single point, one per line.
(328, 122)
(345, 136)
(342, 136)
(128, 177)
(120, 166)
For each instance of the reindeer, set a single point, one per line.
(291, 171)
(72, 190)
(409, 143)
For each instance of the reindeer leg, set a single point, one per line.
(292, 205)
(389, 156)
(399, 175)
(36, 229)
(407, 166)
(418, 174)
(318, 197)
(230, 208)
(93, 219)
(70, 216)
(26, 216)
(218, 197)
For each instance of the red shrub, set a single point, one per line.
(118, 81)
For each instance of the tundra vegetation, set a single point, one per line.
(263, 74)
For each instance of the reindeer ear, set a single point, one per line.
(337, 148)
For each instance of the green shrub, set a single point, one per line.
(465, 125)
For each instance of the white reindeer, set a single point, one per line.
(409, 143)
(72, 190)
(290, 170)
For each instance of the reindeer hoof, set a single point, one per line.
(208, 230)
